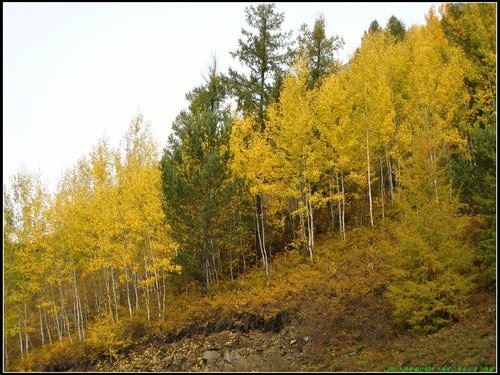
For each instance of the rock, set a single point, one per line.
(293, 341)
(227, 356)
(306, 339)
(213, 346)
(210, 356)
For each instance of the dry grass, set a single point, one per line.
(339, 302)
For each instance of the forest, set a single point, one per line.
(377, 176)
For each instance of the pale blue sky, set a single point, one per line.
(73, 72)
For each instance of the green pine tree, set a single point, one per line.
(266, 53)
(195, 178)
(318, 49)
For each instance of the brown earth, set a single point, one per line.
(470, 343)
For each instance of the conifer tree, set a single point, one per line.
(396, 28)
(318, 49)
(266, 52)
(195, 178)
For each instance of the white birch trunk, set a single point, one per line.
(41, 325)
(21, 338)
(128, 292)
(108, 293)
(343, 204)
(115, 299)
(136, 291)
(26, 325)
(382, 188)
(47, 326)
(368, 161)
(389, 175)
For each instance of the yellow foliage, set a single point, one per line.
(103, 336)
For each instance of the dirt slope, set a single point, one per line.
(470, 344)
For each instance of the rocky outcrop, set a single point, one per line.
(229, 350)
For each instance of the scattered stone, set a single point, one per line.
(306, 339)
(213, 347)
(293, 341)
(209, 356)
(227, 356)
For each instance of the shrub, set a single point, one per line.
(432, 268)
(108, 338)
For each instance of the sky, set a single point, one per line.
(75, 72)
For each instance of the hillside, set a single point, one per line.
(301, 214)
(470, 343)
(332, 315)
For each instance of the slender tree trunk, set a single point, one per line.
(47, 326)
(303, 230)
(127, 287)
(368, 160)
(136, 291)
(86, 314)
(310, 221)
(68, 328)
(214, 268)
(30, 342)
(332, 213)
(156, 284)
(164, 295)
(292, 221)
(431, 154)
(146, 290)
(26, 325)
(241, 242)
(433, 172)
(148, 310)
(261, 101)
(76, 309)
(96, 296)
(343, 203)
(64, 314)
(6, 351)
(21, 339)
(115, 298)
(258, 240)
(389, 175)
(79, 310)
(158, 293)
(55, 317)
(259, 216)
(205, 278)
(339, 203)
(231, 263)
(41, 325)
(382, 188)
(264, 238)
(219, 274)
(108, 293)
(127, 282)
